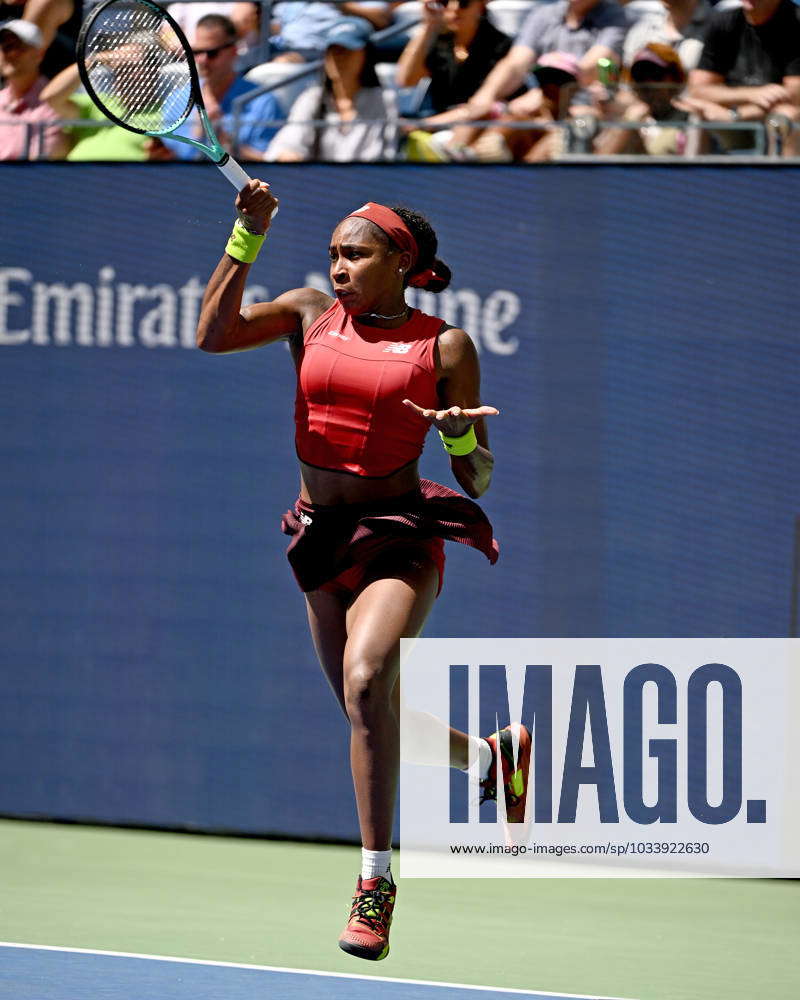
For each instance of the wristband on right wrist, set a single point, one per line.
(243, 245)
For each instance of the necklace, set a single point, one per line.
(381, 316)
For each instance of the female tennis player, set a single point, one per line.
(373, 375)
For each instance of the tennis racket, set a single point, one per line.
(138, 68)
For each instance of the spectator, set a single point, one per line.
(749, 70)
(657, 78)
(21, 53)
(307, 31)
(245, 16)
(372, 138)
(455, 47)
(214, 47)
(590, 30)
(584, 31)
(681, 24)
(59, 22)
(91, 142)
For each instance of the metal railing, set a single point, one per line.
(578, 135)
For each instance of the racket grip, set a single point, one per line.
(234, 173)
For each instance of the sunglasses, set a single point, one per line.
(212, 53)
(10, 43)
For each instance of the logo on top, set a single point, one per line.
(335, 333)
(397, 348)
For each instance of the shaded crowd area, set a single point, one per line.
(495, 81)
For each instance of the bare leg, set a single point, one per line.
(385, 610)
(366, 635)
(327, 622)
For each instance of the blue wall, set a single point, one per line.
(637, 327)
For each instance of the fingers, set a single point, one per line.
(427, 414)
(256, 204)
(436, 416)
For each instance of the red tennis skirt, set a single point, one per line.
(333, 547)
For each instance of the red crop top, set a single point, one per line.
(351, 383)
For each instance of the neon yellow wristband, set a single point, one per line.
(244, 246)
(461, 445)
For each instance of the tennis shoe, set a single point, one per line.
(367, 931)
(515, 778)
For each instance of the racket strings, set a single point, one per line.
(138, 67)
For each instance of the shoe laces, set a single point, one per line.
(372, 907)
(489, 785)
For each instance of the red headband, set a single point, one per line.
(398, 232)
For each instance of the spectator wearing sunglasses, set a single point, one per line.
(656, 78)
(455, 47)
(578, 32)
(214, 48)
(245, 17)
(59, 22)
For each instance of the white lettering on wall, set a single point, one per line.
(114, 313)
(8, 299)
(63, 320)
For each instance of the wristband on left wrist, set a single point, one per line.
(463, 445)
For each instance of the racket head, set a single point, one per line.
(137, 66)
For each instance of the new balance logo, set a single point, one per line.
(335, 333)
(397, 349)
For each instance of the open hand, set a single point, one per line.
(455, 420)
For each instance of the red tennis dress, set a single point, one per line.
(351, 382)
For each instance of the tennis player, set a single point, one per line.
(367, 534)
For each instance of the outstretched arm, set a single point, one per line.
(224, 326)
(459, 395)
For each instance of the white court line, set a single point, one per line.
(304, 972)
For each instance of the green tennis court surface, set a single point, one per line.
(280, 905)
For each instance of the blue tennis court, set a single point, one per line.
(30, 972)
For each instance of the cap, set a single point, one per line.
(26, 31)
(655, 63)
(553, 63)
(660, 55)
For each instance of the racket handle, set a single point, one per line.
(234, 173)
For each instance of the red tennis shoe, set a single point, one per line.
(515, 778)
(367, 931)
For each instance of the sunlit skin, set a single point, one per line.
(360, 265)
(759, 11)
(19, 63)
(463, 21)
(357, 637)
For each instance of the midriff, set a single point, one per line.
(329, 487)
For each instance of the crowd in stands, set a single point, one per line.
(458, 80)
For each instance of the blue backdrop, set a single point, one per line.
(637, 327)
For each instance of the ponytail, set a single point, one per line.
(438, 273)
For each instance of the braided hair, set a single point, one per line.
(427, 243)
